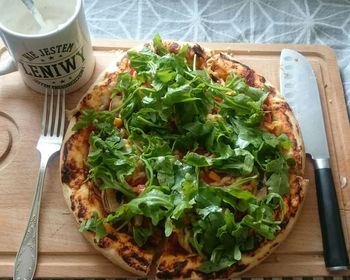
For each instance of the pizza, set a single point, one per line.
(184, 163)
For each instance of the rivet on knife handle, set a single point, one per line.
(335, 253)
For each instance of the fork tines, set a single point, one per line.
(53, 108)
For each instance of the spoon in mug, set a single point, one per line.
(34, 12)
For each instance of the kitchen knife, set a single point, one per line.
(299, 87)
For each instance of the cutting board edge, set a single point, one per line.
(319, 267)
(317, 49)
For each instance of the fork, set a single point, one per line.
(52, 127)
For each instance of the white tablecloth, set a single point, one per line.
(255, 21)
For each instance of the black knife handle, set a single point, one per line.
(334, 247)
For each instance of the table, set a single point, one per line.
(323, 22)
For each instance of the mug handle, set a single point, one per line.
(8, 64)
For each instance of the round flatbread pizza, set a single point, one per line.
(183, 163)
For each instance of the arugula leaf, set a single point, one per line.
(143, 62)
(178, 95)
(282, 140)
(278, 180)
(152, 146)
(95, 224)
(153, 203)
(141, 234)
(165, 75)
(184, 194)
(164, 168)
(278, 183)
(123, 85)
(236, 162)
(222, 258)
(158, 44)
(197, 160)
(92, 117)
(261, 218)
(244, 107)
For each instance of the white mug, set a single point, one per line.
(59, 56)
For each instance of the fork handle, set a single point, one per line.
(26, 258)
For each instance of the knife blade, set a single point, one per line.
(299, 86)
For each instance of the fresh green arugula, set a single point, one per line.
(95, 224)
(181, 123)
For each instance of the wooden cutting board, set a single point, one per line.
(65, 253)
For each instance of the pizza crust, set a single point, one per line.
(114, 247)
(80, 197)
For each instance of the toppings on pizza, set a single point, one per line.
(187, 151)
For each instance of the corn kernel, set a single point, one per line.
(118, 122)
(215, 177)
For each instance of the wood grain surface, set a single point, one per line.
(65, 253)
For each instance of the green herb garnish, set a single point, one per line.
(180, 123)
